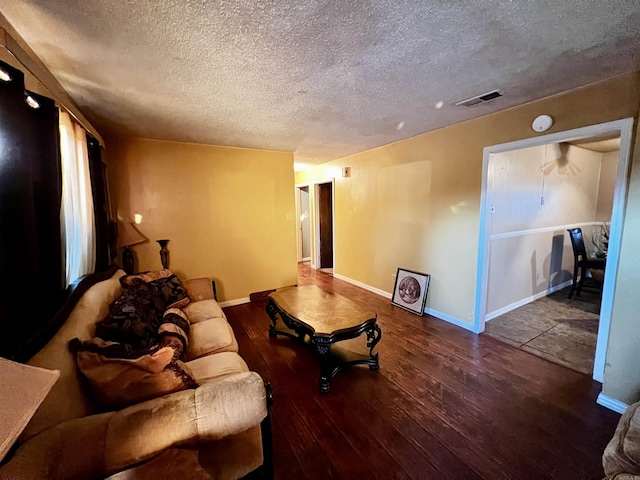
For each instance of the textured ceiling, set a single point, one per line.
(321, 78)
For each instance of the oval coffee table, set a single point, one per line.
(321, 319)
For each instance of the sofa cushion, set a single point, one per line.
(181, 462)
(230, 458)
(211, 336)
(234, 456)
(209, 367)
(203, 310)
(199, 289)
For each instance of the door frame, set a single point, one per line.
(298, 209)
(315, 257)
(625, 127)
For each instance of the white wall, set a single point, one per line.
(607, 185)
(537, 194)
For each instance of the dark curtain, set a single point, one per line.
(31, 259)
(100, 204)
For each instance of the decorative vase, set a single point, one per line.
(164, 252)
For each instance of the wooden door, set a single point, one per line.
(325, 207)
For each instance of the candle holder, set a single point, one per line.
(164, 252)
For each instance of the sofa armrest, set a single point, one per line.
(621, 457)
(199, 289)
(100, 445)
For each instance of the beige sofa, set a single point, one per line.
(217, 430)
(621, 458)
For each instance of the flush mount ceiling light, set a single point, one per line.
(4, 76)
(542, 123)
(32, 102)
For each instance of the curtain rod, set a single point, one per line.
(11, 41)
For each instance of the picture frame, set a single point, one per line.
(410, 290)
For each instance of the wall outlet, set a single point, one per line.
(393, 278)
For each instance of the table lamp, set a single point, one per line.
(128, 235)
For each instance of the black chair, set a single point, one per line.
(582, 261)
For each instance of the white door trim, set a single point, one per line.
(625, 127)
(298, 221)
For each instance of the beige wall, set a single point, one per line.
(622, 372)
(229, 212)
(415, 203)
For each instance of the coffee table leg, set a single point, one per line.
(324, 384)
(373, 336)
(326, 365)
(272, 311)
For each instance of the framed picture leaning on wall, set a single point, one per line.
(410, 290)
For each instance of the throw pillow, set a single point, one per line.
(134, 317)
(146, 277)
(172, 291)
(175, 328)
(118, 382)
(166, 283)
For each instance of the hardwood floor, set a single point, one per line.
(445, 404)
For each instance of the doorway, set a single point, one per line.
(623, 128)
(538, 193)
(324, 228)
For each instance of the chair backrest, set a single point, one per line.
(577, 242)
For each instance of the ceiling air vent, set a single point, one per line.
(485, 97)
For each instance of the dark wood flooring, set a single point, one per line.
(445, 404)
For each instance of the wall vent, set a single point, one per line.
(485, 97)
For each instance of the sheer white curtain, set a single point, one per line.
(76, 216)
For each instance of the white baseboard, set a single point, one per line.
(428, 311)
(524, 301)
(449, 318)
(237, 301)
(611, 403)
(364, 286)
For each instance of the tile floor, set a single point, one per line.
(561, 330)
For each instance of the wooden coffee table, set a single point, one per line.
(322, 319)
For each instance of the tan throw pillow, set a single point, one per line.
(119, 382)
